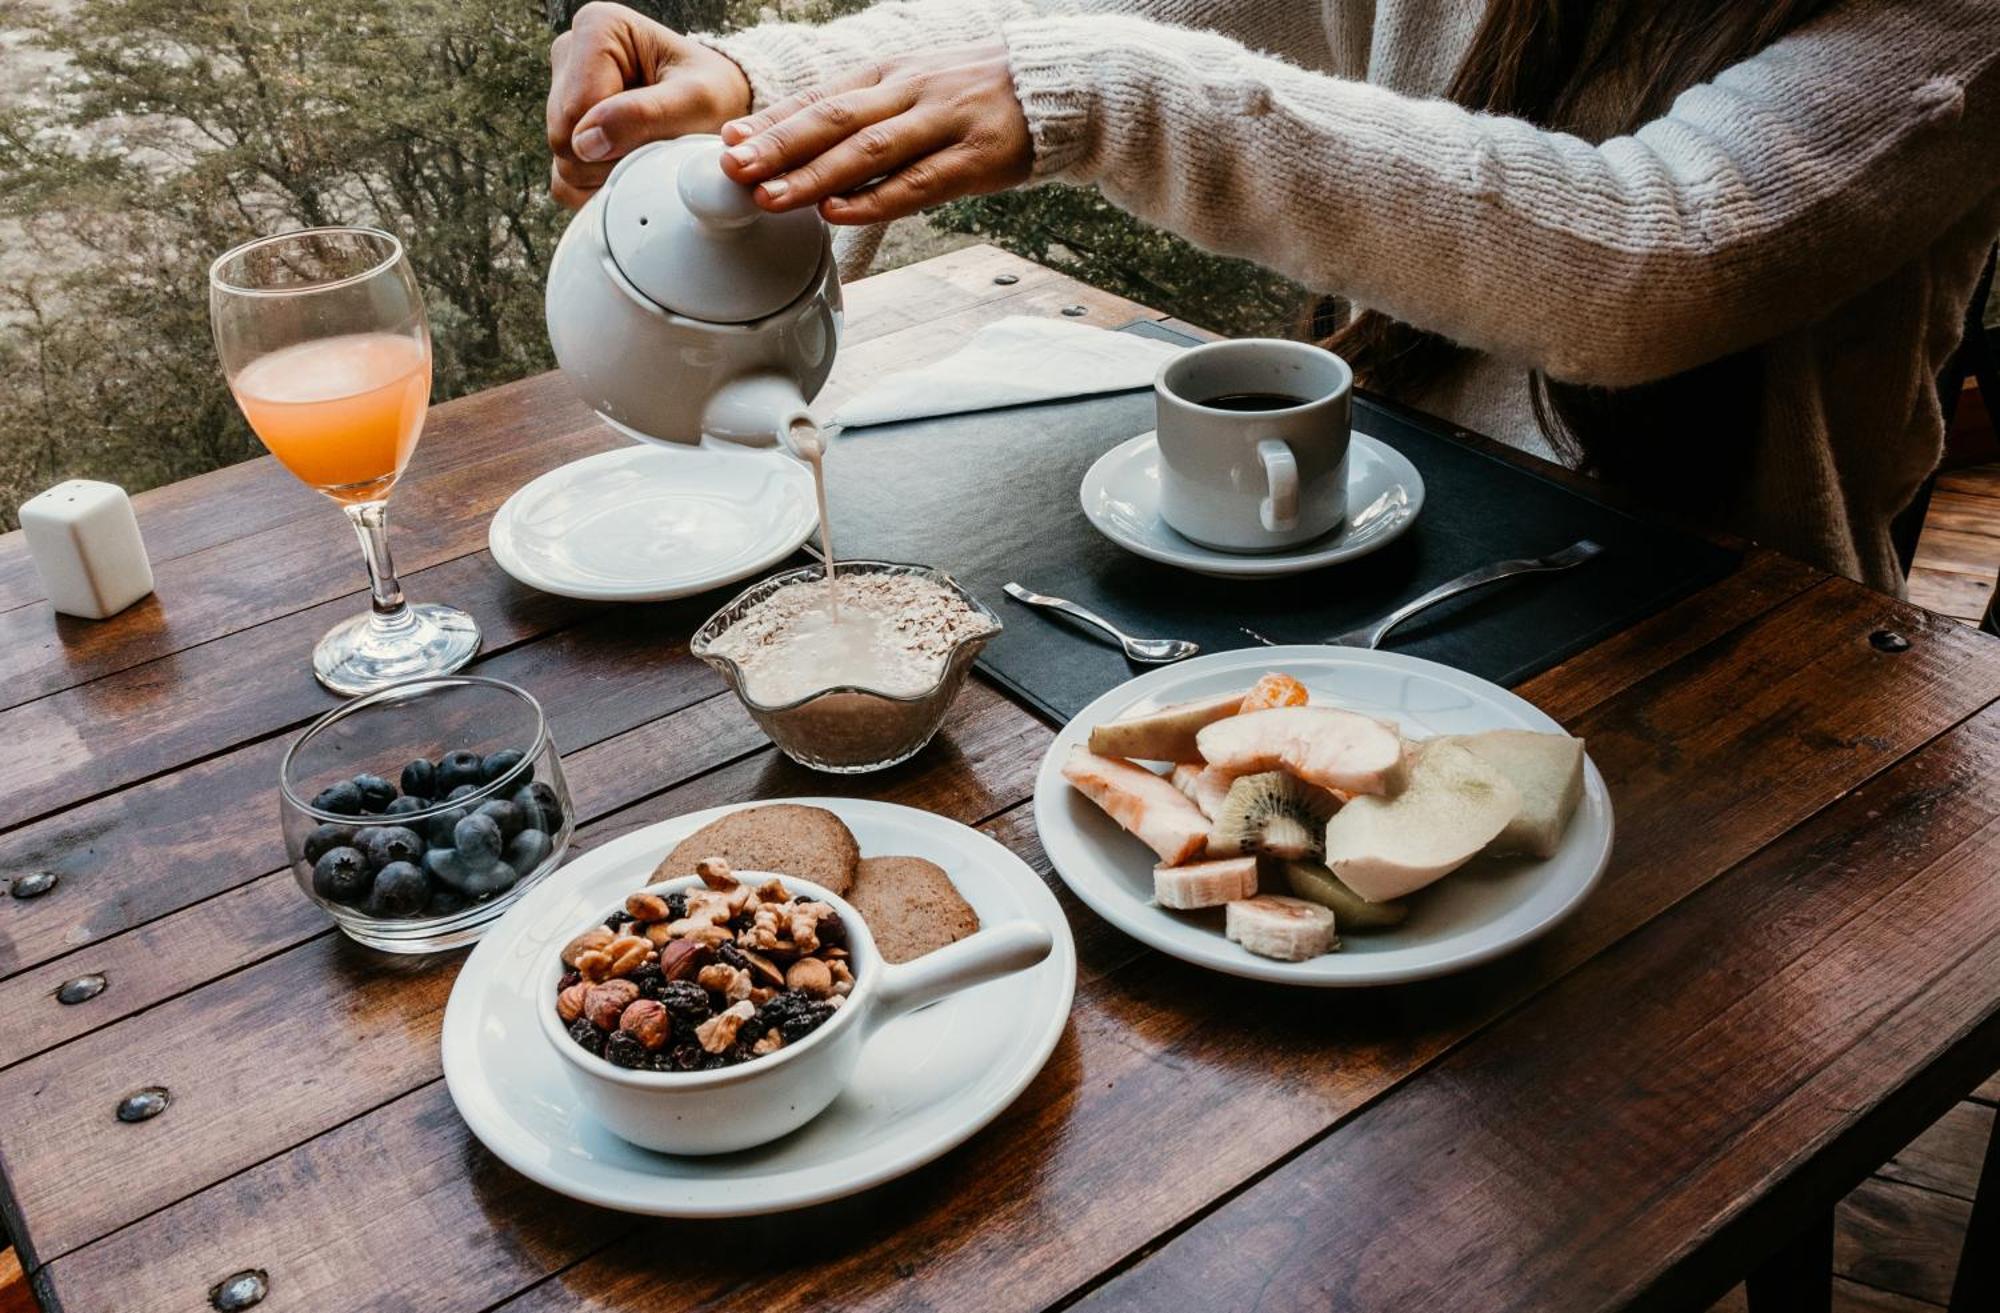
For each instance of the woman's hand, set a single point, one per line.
(620, 80)
(888, 141)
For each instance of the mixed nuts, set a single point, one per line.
(716, 975)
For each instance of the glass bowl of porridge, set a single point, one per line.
(853, 675)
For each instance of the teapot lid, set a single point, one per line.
(695, 242)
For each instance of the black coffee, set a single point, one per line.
(1254, 401)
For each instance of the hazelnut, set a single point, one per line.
(569, 1003)
(811, 976)
(595, 938)
(718, 1033)
(680, 959)
(593, 965)
(604, 1003)
(646, 908)
(628, 954)
(646, 1020)
(715, 873)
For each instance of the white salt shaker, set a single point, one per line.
(86, 545)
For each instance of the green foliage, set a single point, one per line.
(1084, 235)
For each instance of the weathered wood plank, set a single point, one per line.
(1008, 1221)
(1581, 1145)
(1946, 1157)
(1901, 1238)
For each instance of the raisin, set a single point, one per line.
(686, 1002)
(661, 1061)
(615, 920)
(569, 978)
(677, 907)
(832, 932)
(731, 955)
(795, 1015)
(587, 1035)
(685, 1057)
(624, 1050)
(649, 980)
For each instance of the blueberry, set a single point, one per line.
(439, 828)
(404, 806)
(477, 839)
(376, 792)
(474, 879)
(342, 799)
(400, 890)
(539, 804)
(448, 869)
(385, 845)
(445, 900)
(462, 791)
(509, 817)
(324, 837)
(495, 879)
(341, 876)
(528, 850)
(420, 778)
(460, 768)
(498, 764)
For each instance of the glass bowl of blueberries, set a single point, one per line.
(417, 814)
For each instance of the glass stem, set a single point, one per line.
(371, 526)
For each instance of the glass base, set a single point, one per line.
(369, 651)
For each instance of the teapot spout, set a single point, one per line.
(761, 410)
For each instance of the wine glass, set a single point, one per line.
(323, 340)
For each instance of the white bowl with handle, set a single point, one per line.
(754, 1102)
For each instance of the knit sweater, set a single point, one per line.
(1827, 202)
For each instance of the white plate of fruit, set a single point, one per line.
(1323, 816)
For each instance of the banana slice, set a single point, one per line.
(1289, 929)
(1204, 884)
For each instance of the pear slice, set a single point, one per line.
(1206, 785)
(1327, 746)
(1452, 805)
(1164, 735)
(1547, 770)
(1152, 810)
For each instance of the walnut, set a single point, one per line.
(646, 908)
(773, 891)
(682, 958)
(843, 979)
(646, 1020)
(593, 965)
(705, 907)
(764, 930)
(628, 954)
(804, 924)
(718, 1033)
(569, 1003)
(713, 935)
(774, 1039)
(739, 899)
(731, 982)
(604, 1003)
(811, 976)
(597, 938)
(715, 873)
(762, 994)
(659, 934)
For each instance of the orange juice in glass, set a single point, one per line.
(324, 342)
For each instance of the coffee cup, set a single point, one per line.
(1253, 438)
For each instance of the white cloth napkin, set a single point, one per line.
(1008, 363)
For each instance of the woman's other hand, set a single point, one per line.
(619, 80)
(890, 140)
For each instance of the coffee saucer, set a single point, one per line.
(1121, 498)
(645, 524)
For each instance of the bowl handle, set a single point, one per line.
(1013, 946)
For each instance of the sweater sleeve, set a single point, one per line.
(781, 59)
(1758, 203)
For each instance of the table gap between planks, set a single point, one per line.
(1792, 966)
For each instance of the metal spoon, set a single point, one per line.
(1147, 651)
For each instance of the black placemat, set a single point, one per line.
(993, 496)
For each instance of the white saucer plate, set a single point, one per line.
(1471, 916)
(1121, 498)
(925, 1082)
(645, 524)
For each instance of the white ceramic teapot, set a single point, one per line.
(677, 308)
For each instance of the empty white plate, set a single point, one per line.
(1474, 914)
(925, 1082)
(1121, 497)
(644, 524)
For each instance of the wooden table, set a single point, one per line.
(1792, 965)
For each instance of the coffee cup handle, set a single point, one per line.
(1280, 509)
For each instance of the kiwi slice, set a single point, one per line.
(1272, 813)
(1351, 912)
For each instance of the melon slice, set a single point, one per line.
(1452, 805)
(1151, 809)
(1327, 746)
(1164, 735)
(1547, 771)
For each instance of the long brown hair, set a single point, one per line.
(1598, 69)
